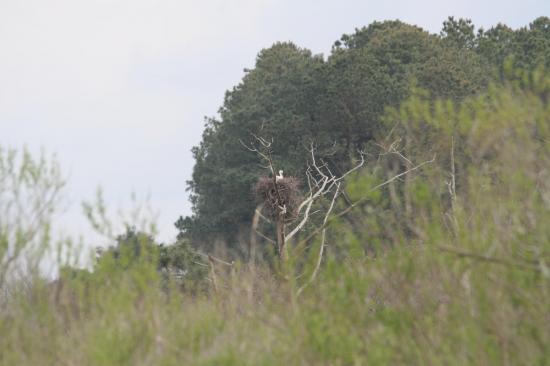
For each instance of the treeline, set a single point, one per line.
(293, 98)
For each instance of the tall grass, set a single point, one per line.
(448, 266)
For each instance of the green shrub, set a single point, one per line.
(447, 266)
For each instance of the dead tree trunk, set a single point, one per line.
(281, 236)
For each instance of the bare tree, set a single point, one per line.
(280, 194)
(322, 183)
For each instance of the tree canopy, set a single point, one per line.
(293, 97)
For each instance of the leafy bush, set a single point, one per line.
(448, 266)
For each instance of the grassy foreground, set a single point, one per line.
(449, 266)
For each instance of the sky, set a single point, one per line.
(118, 90)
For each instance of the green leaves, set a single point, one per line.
(29, 196)
(293, 97)
(276, 100)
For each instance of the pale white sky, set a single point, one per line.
(118, 89)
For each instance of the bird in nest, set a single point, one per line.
(279, 176)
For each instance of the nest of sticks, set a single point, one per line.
(282, 197)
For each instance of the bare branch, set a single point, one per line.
(259, 213)
(392, 149)
(263, 236)
(199, 264)
(485, 258)
(361, 200)
(212, 258)
(304, 219)
(317, 168)
(324, 186)
(322, 246)
(357, 166)
(402, 174)
(253, 149)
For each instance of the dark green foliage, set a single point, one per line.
(496, 44)
(183, 266)
(277, 100)
(293, 98)
(533, 44)
(459, 33)
(374, 69)
(131, 247)
(370, 72)
(177, 262)
(528, 47)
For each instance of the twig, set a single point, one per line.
(506, 262)
(324, 186)
(259, 213)
(211, 257)
(261, 235)
(200, 264)
(361, 200)
(309, 202)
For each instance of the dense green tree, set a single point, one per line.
(459, 33)
(276, 100)
(453, 73)
(135, 249)
(533, 44)
(367, 72)
(293, 97)
(131, 247)
(184, 265)
(374, 69)
(496, 44)
(528, 47)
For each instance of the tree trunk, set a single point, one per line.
(281, 237)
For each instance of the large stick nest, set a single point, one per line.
(274, 196)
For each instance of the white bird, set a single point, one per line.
(279, 177)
